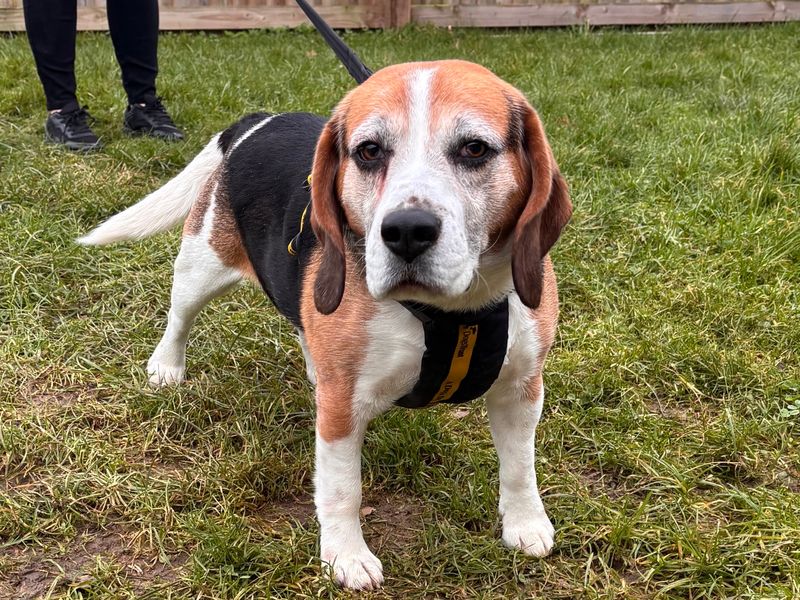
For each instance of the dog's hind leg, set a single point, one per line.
(199, 277)
(211, 261)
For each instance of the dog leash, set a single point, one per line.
(357, 69)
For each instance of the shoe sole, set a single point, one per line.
(74, 146)
(151, 133)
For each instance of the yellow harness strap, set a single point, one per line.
(292, 247)
(459, 366)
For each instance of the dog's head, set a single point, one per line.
(445, 173)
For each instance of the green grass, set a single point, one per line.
(669, 446)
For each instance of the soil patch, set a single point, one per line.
(32, 572)
(603, 484)
(390, 520)
(48, 393)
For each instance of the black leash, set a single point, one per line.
(359, 71)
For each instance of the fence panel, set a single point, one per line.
(235, 14)
(358, 14)
(524, 13)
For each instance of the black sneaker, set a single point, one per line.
(151, 118)
(71, 129)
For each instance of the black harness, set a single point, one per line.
(463, 354)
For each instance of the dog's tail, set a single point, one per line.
(162, 209)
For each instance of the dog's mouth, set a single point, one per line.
(411, 285)
(415, 289)
(422, 281)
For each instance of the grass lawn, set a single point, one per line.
(669, 449)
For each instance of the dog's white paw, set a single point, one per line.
(355, 570)
(161, 375)
(532, 533)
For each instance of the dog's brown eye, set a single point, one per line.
(474, 149)
(369, 152)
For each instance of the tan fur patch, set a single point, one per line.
(501, 224)
(352, 220)
(225, 239)
(197, 214)
(533, 388)
(384, 93)
(546, 316)
(459, 87)
(464, 88)
(336, 343)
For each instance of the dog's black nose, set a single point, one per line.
(410, 232)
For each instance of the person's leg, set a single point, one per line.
(51, 32)
(51, 26)
(134, 32)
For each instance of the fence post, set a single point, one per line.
(400, 13)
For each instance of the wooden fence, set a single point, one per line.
(358, 14)
(526, 13)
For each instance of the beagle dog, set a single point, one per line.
(432, 185)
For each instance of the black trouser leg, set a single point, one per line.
(134, 31)
(51, 33)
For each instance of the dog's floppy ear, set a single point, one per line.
(327, 221)
(545, 214)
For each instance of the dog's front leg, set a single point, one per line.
(513, 415)
(340, 435)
